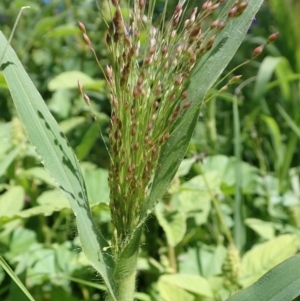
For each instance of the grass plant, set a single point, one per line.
(160, 74)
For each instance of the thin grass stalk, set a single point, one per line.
(239, 227)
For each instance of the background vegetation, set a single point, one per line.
(243, 157)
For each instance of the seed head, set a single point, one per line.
(86, 99)
(187, 104)
(210, 42)
(115, 2)
(272, 38)
(257, 51)
(232, 12)
(193, 15)
(214, 24)
(235, 79)
(206, 5)
(221, 25)
(81, 26)
(164, 50)
(142, 4)
(79, 86)
(86, 39)
(224, 89)
(184, 95)
(213, 8)
(241, 7)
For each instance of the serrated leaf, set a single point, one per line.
(39, 173)
(9, 158)
(174, 225)
(170, 292)
(12, 201)
(265, 256)
(262, 228)
(191, 283)
(185, 167)
(96, 180)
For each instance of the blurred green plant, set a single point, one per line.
(203, 199)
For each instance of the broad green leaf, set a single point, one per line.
(173, 224)
(21, 241)
(191, 283)
(170, 292)
(46, 210)
(9, 158)
(39, 173)
(96, 180)
(203, 259)
(282, 283)
(60, 104)
(57, 157)
(68, 80)
(44, 267)
(71, 123)
(225, 167)
(212, 259)
(265, 256)
(54, 198)
(262, 228)
(63, 31)
(50, 201)
(12, 201)
(218, 162)
(189, 262)
(194, 196)
(185, 167)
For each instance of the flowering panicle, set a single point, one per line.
(148, 92)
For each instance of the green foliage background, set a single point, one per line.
(243, 156)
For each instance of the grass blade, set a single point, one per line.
(57, 157)
(280, 283)
(15, 278)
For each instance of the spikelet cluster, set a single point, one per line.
(232, 268)
(148, 76)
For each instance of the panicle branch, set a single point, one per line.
(148, 79)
